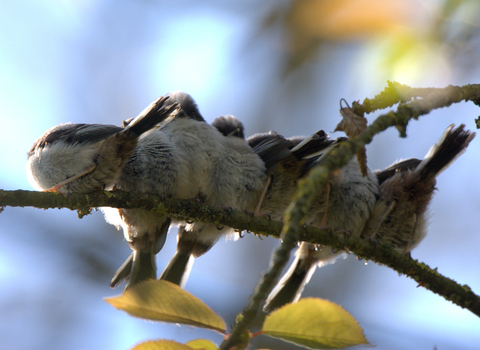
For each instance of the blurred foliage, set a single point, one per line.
(404, 33)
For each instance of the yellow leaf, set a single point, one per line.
(167, 302)
(315, 323)
(202, 344)
(161, 345)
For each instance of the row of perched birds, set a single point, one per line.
(170, 150)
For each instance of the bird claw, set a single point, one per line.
(262, 215)
(198, 200)
(229, 210)
(57, 189)
(259, 236)
(251, 213)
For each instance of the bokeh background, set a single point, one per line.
(281, 65)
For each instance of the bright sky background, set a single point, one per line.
(104, 61)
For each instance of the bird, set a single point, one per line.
(82, 158)
(289, 159)
(400, 216)
(229, 125)
(186, 158)
(344, 205)
(196, 239)
(158, 166)
(286, 160)
(233, 178)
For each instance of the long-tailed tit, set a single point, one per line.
(186, 158)
(344, 205)
(233, 178)
(400, 216)
(159, 165)
(88, 157)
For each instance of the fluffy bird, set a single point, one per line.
(400, 216)
(233, 178)
(186, 158)
(344, 205)
(88, 157)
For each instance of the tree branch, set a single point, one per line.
(312, 184)
(294, 229)
(438, 97)
(190, 210)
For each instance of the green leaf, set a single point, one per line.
(167, 302)
(202, 344)
(314, 323)
(161, 345)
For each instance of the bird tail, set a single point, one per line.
(313, 145)
(291, 285)
(157, 112)
(139, 266)
(144, 267)
(445, 151)
(123, 272)
(178, 268)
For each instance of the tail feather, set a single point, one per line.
(141, 265)
(313, 145)
(144, 267)
(398, 167)
(271, 147)
(123, 272)
(445, 151)
(178, 268)
(156, 113)
(290, 286)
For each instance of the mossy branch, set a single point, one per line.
(294, 229)
(312, 184)
(430, 97)
(191, 210)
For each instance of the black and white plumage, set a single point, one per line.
(400, 216)
(286, 161)
(344, 205)
(87, 157)
(186, 158)
(160, 166)
(233, 178)
(157, 166)
(228, 125)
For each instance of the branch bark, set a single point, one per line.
(424, 100)
(190, 210)
(312, 184)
